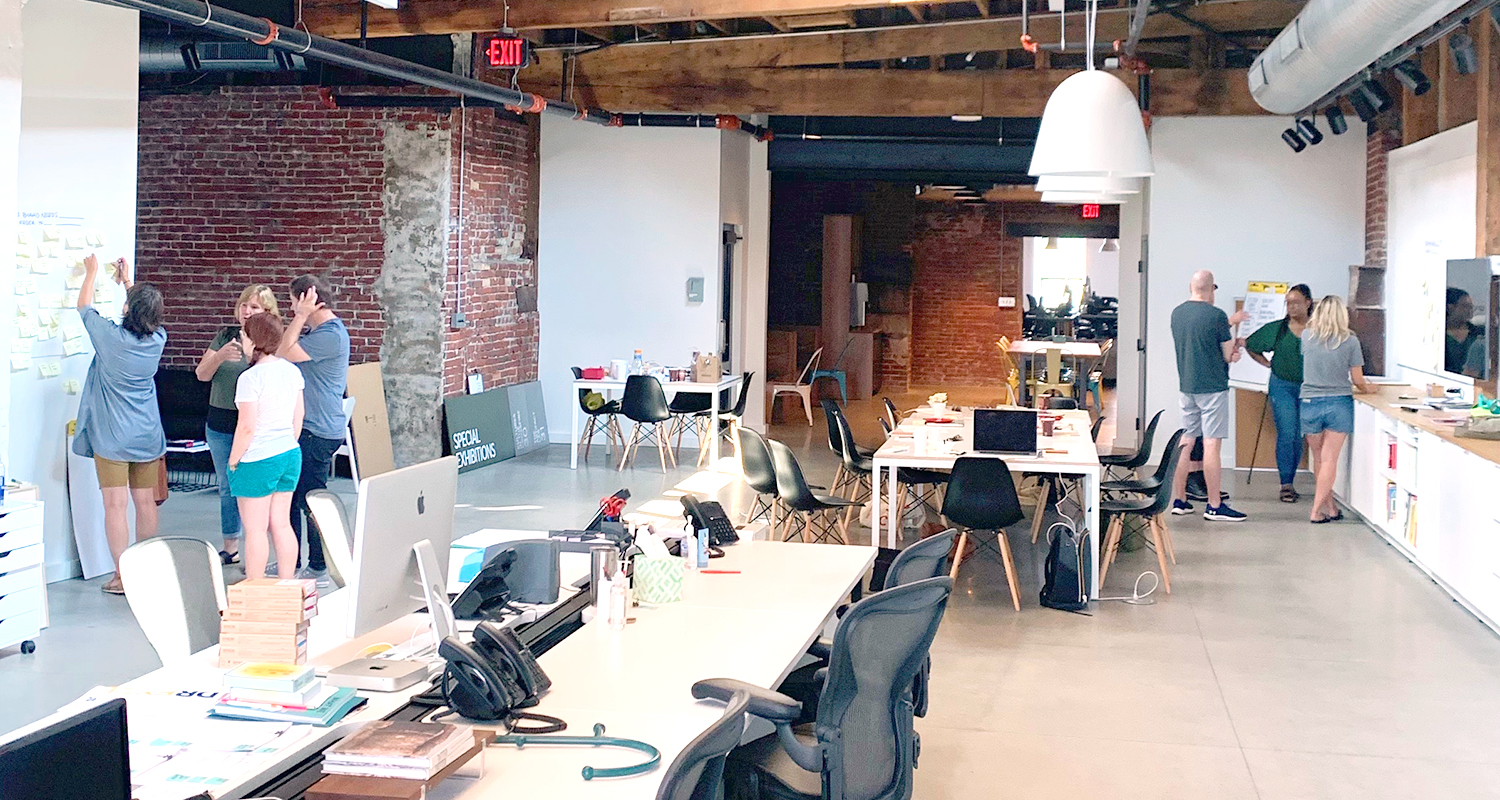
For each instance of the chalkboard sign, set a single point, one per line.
(479, 428)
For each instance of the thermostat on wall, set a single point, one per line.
(695, 290)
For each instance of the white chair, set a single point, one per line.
(332, 521)
(347, 448)
(802, 388)
(175, 587)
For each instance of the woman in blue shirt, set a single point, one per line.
(119, 425)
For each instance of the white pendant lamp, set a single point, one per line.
(1070, 183)
(1081, 198)
(1092, 125)
(1109, 246)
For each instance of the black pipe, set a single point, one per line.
(691, 121)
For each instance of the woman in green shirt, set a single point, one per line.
(220, 367)
(1281, 339)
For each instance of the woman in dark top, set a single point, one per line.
(1282, 340)
(1461, 333)
(221, 366)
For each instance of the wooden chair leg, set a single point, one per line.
(1111, 545)
(734, 435)
(588, 436)
(1166, 536)
(1010, 568)
(958, 556)
(1041, 510)
(806, 393)
(858, 482)
(635, 437)
(1161, 554)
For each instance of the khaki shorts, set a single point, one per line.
(119, 474)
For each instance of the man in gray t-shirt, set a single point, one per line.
(1205, 348)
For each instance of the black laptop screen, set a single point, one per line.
(1004, 430)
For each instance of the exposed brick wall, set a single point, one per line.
(260, 184)
(964, 263)
(1377, 145)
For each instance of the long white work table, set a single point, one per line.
(1069, 451)
(754, 626)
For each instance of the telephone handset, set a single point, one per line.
(504, 649)
(494, 678)
(710, 515)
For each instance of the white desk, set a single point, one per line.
(609, 386)
(754, 626)
(1069, 451)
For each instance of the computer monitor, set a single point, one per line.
(396, 510)
(1005, 430)
(84, 757)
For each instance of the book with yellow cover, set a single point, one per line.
(270, 676)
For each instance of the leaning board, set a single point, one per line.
(1266, 303)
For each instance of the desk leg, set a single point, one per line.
(893, 507)
(573, 433)
(1091, 497)
(713, 433)
(875, 506)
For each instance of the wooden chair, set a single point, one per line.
(1052, 384)
(802, 388)
(1008, 369)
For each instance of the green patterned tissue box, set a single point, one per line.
(658, 580)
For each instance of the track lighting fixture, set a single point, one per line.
(1293, 140)
(1363, 104)
(1336, 122)
(1461, 45)
(1412, 77)
(1308, 128)
(1377, 95)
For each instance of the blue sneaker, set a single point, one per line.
(1221, 513)
(1180, 507)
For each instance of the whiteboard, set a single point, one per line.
(1266, 303)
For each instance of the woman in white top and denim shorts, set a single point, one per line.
(265, 461)
(1332, 370)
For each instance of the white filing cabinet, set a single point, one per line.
(23, 584)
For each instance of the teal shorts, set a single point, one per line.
(267, 476)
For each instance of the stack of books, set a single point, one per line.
(267, 620)
(410, 750)
(282, 693)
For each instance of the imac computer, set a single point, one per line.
(83, 757)
(395, 511)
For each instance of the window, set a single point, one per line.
(1058, 274)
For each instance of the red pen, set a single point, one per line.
(719, 571)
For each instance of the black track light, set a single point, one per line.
(1362, 106)
(1377, 95)
(1412, 77)
(1461, 45)
(1293, 140)
(1309, 130)
(1336, 122)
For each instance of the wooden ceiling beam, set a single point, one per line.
(870, 92)
(339, 19)
(839, 47)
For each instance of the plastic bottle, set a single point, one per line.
(617, 601)
(637, 364)
(689, 547)
(701, 550)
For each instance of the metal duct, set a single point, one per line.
(171, 54)
(1330, 41)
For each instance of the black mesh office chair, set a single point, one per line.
(982, 497)
(811, 512)
(600, 418)
(1152, 509)
(1120, 465)
(697, 773)
(863, 745)
(760, 475)
(645, 404)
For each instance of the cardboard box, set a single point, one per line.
(289, 588)
(233, 657)
(258, 627)
(287, 615)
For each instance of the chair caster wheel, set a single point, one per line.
(28, 647)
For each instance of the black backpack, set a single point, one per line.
(1064, 586)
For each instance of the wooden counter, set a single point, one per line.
(1385, 399)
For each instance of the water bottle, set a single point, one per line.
(637, 364)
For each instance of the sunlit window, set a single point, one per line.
(1058, 273)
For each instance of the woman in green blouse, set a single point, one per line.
(1281, 340)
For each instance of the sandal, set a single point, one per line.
(113, 586)
(228, 557)
(1289, 495)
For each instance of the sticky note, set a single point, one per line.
(75, 281)
(109, 268)
(72, 347)
(51, 234)
(29, 282)
(41, 266)
(22, 237)
(23, 252)
(53, 250)
(19, 362)
(49, 300)
(46, 317)
(103, 293)
(70, 386)
(20, 286)
(46, 332)
(93, 239)
(74, 242)
(72, 328)
(70, 300)
(26, 327)
(51, 367)
(19, 345)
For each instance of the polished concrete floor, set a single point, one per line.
(1291, 661)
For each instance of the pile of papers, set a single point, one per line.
(410, 750)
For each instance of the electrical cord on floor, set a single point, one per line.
(1136, 598)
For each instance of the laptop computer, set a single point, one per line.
(1005, 431)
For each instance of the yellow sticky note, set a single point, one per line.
(103, 293)
(75, 281)
(51, 234)
(41, 266)
(109, 268)
(93, 239)
(72, 347)
(22, 237)
(72, 329)
(74, 242)
(20, 286)
(46, 332)
(23, 252)
(19, 345)
(51, 367)
(70, 300)
(30, 283)
(53, 250)
(20, 362)
(49, 300)
(70, 386)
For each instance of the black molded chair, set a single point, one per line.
(1094, 429)
(832, 414)
(730, 419)
(801, 503)
(863, 745)
(1150, 483)
(891, 414)
(1130, 462)
(1153, 510)
(982, 497)
(697, 773)
(645, 404)
(1056, 403)
(602, 418)
(685, 408)
(760, 475)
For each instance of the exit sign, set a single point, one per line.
(507, 52)
(1091, 211)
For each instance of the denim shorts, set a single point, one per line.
(1327, 414)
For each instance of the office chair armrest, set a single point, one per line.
(807, 756)
(821, 649)
(773, 707)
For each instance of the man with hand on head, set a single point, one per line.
(1205, 349)
(318, 343)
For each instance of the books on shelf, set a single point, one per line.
(410, 750)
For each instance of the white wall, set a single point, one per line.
(744, 200)
(1129, 285)
(77, 158)
(626, 217)
(10, 136)
(1230, 196)
(1432, 186)
(1102, 268)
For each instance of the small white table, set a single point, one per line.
(1069, 451)
(608, 386)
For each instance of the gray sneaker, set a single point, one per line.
(319, 575)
